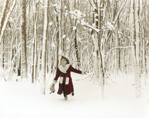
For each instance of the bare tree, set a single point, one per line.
(23, 43)
(43, 76)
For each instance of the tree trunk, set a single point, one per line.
(98, 63)
(145, 50)
(23, 43)
(60, 26)
(95, 40)
(136, 47)
(101, 46)
(75, 40)
(34, 66)
(43, 75)
(48, 37)
(57, 38)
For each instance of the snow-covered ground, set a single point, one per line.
(23, 100)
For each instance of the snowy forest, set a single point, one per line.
(107, 40)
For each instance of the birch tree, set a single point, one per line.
(34, 66)
(44, 47)
(135, 38)
(75, 39)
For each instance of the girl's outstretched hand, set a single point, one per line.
(52, 88)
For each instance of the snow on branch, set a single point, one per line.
(110, 26)
(77, 14)
(90, 26)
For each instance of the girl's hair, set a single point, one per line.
(65, 59)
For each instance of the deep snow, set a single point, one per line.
(23, 100)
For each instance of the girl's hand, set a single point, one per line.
(52, 88)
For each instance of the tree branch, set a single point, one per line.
(5, 22)
(117, 48)
(87, 25)
(117, 15)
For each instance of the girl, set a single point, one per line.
(65, 80)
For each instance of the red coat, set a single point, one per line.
(63, 73)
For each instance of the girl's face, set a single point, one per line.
(63, 62)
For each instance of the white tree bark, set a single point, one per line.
(137, 74)
(43, 72)
(34, 66)
(135, 50)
